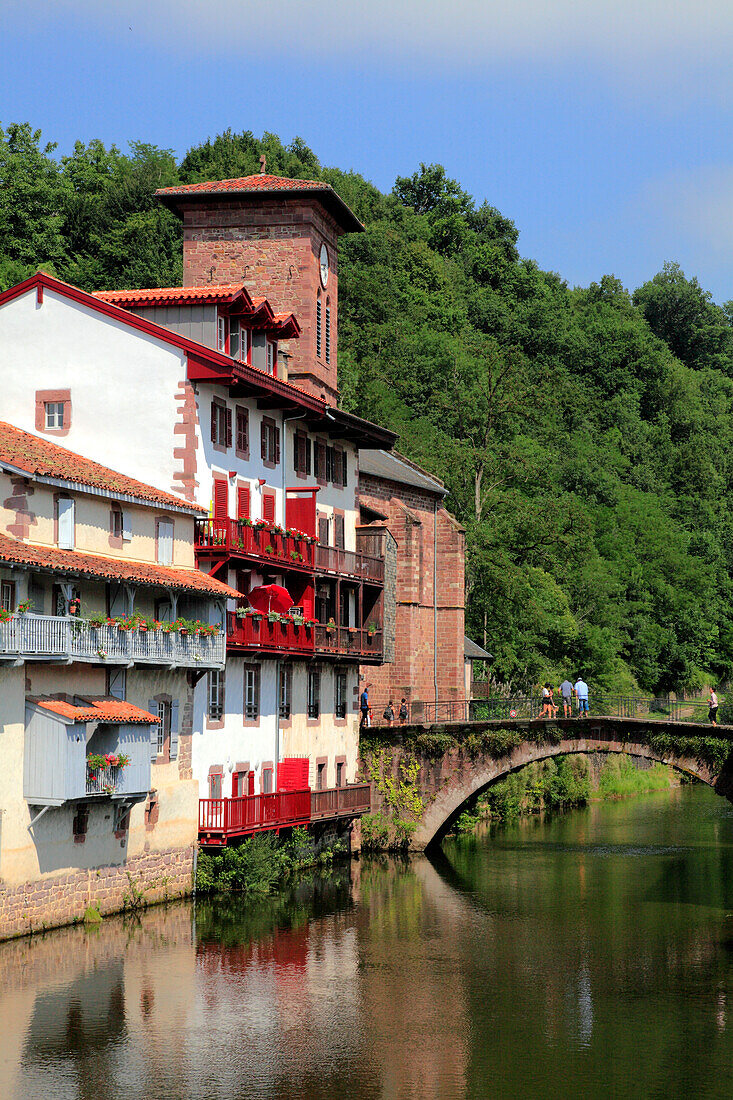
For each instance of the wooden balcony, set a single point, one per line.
(233, 538)
(47, 637)
(258, 634)
(349, 563)
(349, 641)
(222, 819)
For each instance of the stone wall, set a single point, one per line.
(53, 901)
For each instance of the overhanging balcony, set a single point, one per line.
(258, 633)
(349, 563)
(349, 641)
(47, 637)
(256, 542)
(222, 819)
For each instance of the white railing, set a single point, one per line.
(77, 639)
(103, 780)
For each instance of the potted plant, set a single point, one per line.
(23, 606)
(372, 628)
(330, 626)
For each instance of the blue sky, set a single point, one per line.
(603, 129)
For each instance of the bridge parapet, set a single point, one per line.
(422, 776)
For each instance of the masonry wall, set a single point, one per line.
(430, 603)
(272, 245)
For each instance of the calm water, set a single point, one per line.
(589, 956)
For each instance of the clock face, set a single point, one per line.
(323, 262)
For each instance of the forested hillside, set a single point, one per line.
(585, 434)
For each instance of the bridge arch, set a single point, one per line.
(471, 776)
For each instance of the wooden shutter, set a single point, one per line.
(153, 709)
(292, 773)
(338, 532)
(173, 753)
(277, 444)
(337, 457)
(243, 431)
(323, 531)
(228, 418)
(268, 507)
(214, 425)
(307, 455)
(66, 523)
(126, 526)
(320, 461)
(243, 502)
(344, 478)
(263, 441)
(221, 499)
(165, 542)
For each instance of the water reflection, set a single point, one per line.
(588, 955)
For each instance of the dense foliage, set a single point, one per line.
(584, 434)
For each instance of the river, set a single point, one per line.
(590, 955)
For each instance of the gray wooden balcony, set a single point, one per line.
(47, 637)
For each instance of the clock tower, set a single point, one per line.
(278, 237)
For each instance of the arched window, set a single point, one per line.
(328, 331)
(318, 327)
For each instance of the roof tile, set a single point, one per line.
(245, 183)
(99, 710)
(210, 292)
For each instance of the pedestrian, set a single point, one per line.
(713, 707)
(581, 694)
(364, 707)
(546, 711)
(566, 690)
(403, 711)
(388, 714)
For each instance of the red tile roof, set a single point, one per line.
(219, 292)
(36, 456)
(99, 710)
(259, 185)
(111, 569)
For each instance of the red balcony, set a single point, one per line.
(349, 641)
(349, 563)
(222, 819)
(258, 633)
(235, 538)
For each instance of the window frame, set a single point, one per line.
(164, 521)
(313, 705)
(216, 697)
(8, 596)
(341, 697)
(221, 424)
(222, 333)
(61, 514)
(241, 437)
(285, 697)
(251, 710)
(269, 442)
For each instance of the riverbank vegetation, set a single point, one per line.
(261, 863)
(585, 434)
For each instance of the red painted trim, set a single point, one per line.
(39, 294)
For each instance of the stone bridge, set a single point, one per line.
(423, 776)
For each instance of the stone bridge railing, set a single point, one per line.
(422, 776)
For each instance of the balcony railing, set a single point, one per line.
(223, 818)
(349, 641)
(48, 636)
(252, 632)
(340, 801)
(230, 536)
(349, 563)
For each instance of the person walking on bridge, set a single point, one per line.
(548, 707)
(713, 707)
(567, 691)
(581, 694)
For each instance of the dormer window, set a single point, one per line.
(238, 340)
(223, 333)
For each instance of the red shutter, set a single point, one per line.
(268, 507)
(277, 446)
(292, 773)
(250, 782)
(235, 784)
(221, 499)
(229, 427)
(243, 502)
(300, 513)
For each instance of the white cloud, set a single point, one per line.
(451, 34)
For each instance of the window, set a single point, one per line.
(117, 682)
(266, 780)
(339, 539)
(223, 334)
(7, 595)
(221, 498)
(328, 332)
(54, 411)
(339, 774)
(321, 776)
(215, 784)
(239, 784)
(302, 454)
(164, 532)
(238, 340)
(252, 692)
(271, 357)
(286, 690)
(221, 424)
(341, 688)
(268, 507)
(320, 461)
(329, 464)
(243, 502)
(164, 726)
(318, 326)
(344, 607)
(242, 432)
(120, 526)
(269, 441)
(216, 695)
(66, 523)
(314, 693)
